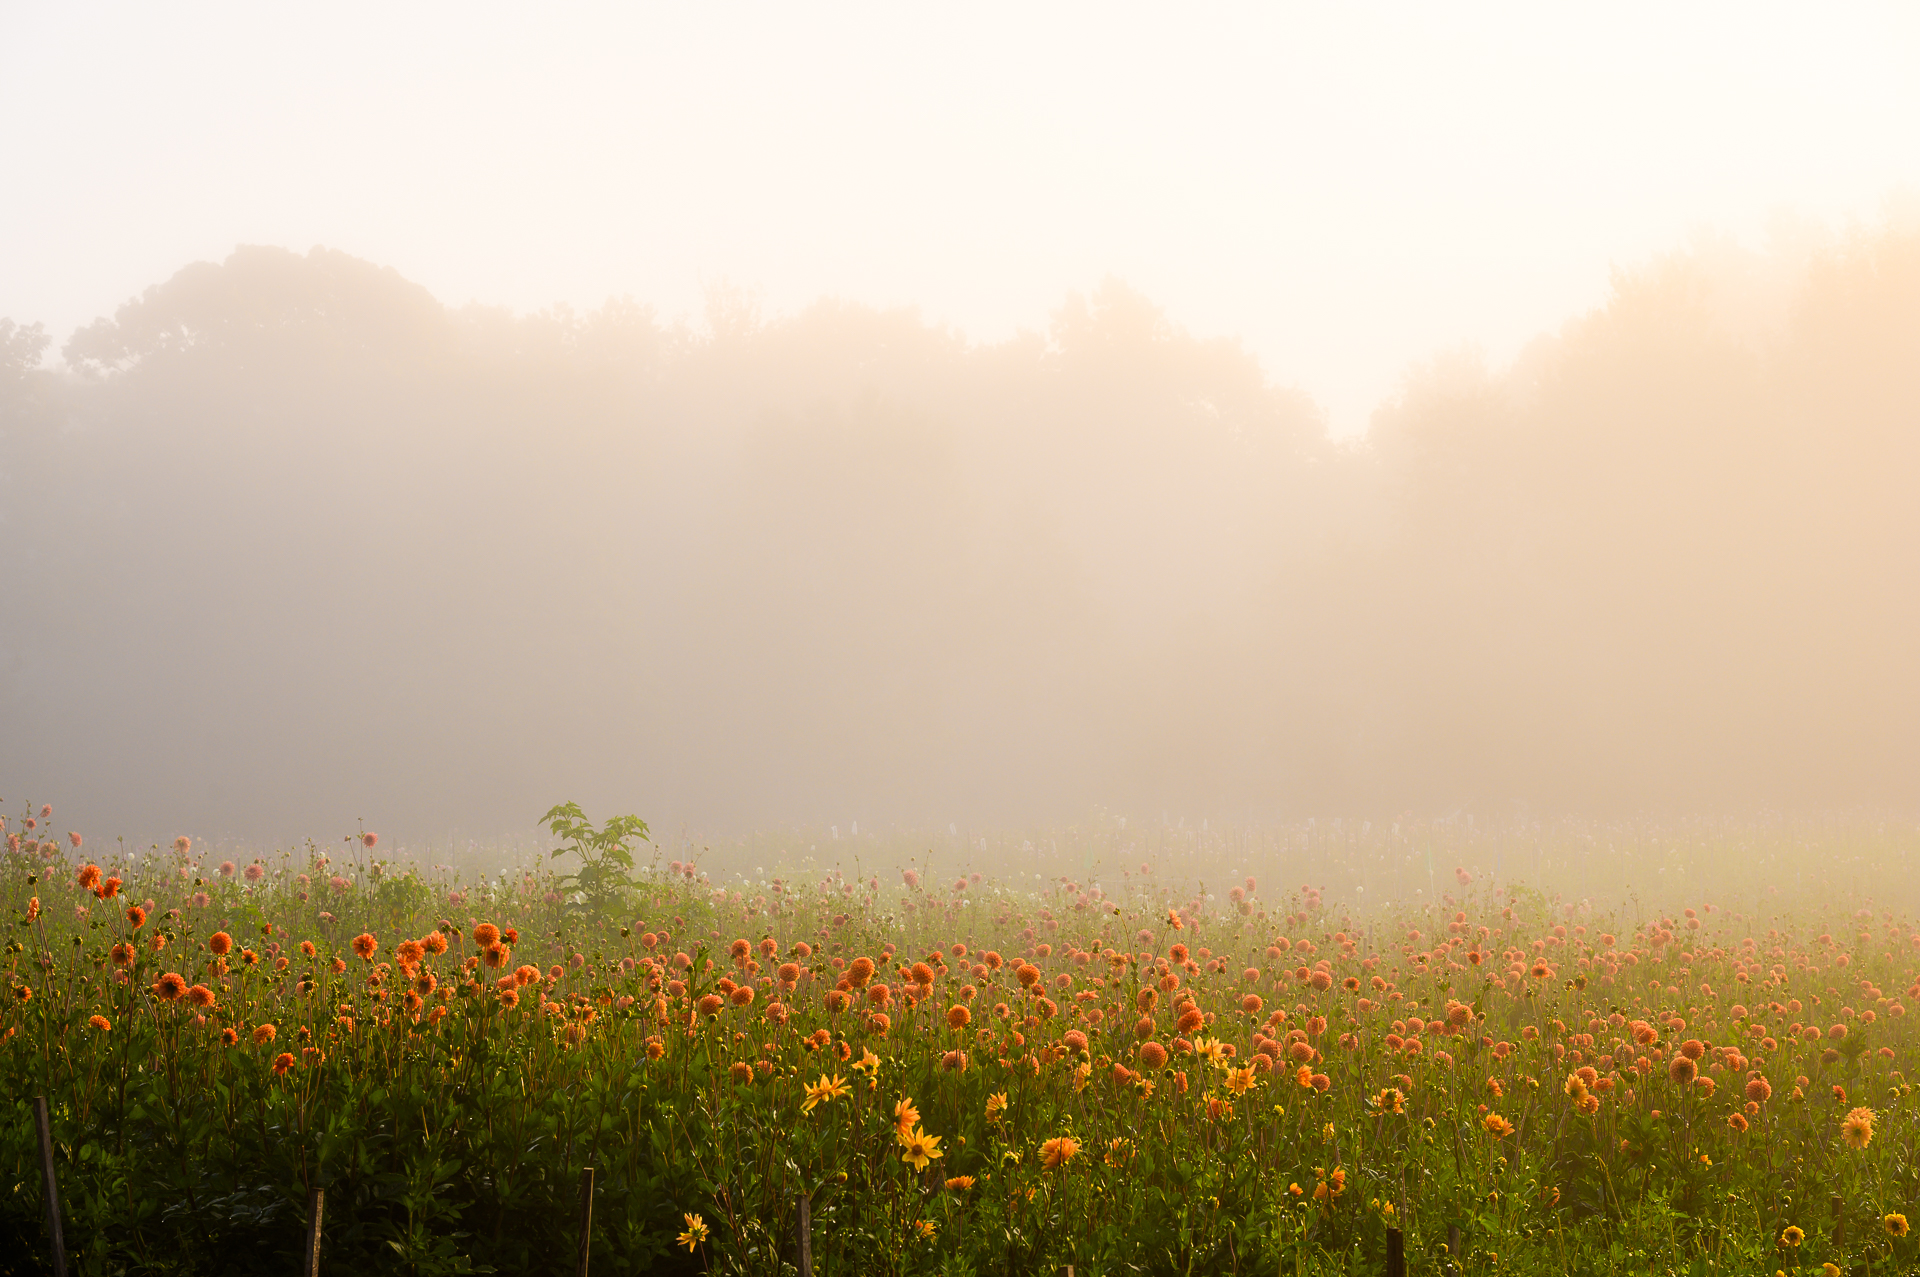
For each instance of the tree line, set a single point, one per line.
(288, 538)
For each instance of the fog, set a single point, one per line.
(291, 542)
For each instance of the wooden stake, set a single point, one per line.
(1396, 1253)
(586, 1215)
(1453, 1248)
(805, 1227)
(45, 1130)
(310, 1258)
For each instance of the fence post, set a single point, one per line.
(1396, 1253)
(45, 1130)
(1453, 1248)
(1839, 1225)
(586, 1215)
(310, 1260)
(805, 1227)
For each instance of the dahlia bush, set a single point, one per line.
(1133, 1077)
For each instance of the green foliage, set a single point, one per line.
(447, 1098)
(603, 883)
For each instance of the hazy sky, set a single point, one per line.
(1345, 187)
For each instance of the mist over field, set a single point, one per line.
(290, 542)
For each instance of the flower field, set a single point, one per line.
(963, 1076)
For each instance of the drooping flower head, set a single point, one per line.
(1058, 1152)
(1857, 1128)
(825, 1091)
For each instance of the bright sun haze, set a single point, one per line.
(957, 418)
(1344, 188)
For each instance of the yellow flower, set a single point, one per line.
(1896, 1225)
(905, 1118)
(1082, 1074)
(1497, 1126)
(1391, 1101)
(1575, 1088)
(1241, 1080)
(926, 1226)
(1210, 1049)
(1119, 1152)
(1829, 1270)
(826, 1089)
(996, 1106)
(1791, 1236)
(960, 1183)
(868, 1063)
(695, 1234)
(921, 1148)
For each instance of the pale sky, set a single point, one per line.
(1346, 188)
